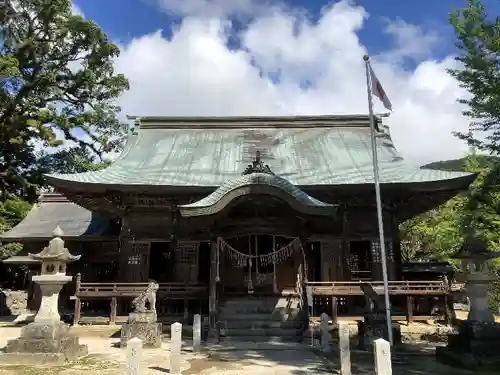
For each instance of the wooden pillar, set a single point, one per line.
(112, 316)
(409, 309)
(448, 309)
(186, 309)
(275, 282)
(78, 303)
(212, 298)
(334, 311)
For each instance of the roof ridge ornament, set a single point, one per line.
(257, 166)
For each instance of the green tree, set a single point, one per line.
(478, 43)
(439, 233)
(57, 79)
(12, 211)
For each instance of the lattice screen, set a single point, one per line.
(187, 253)
(375, 247)
(353, 262)
(186, 259)
(134, 259)
(139, 249)
(389, 251)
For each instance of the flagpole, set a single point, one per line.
(379, 202)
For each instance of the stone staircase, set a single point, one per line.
(271, 319)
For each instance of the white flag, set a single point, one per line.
(378, 90)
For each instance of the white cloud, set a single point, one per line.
(75, 9)
(195, 73)
(411, 41)
(215, 8)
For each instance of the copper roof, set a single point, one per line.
(207, 152)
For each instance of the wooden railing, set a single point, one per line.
(352, 288)
(108, 290)
(458, 287)
(115, 291)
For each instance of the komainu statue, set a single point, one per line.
(146, 301)
(142, 322)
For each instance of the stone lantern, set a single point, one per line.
(54, 259)
(474, 258)
(47, 338)
(478, 337)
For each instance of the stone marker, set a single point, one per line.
(382, 354)
(344, 350)
(197, 333)
(325, 336)
(134, 356)
(175, 348)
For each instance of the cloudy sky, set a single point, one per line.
(258, 57)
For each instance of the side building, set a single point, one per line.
(243, 212)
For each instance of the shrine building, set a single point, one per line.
(239, 216)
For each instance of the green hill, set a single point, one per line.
(458, 164)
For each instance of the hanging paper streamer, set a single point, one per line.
(241, 260)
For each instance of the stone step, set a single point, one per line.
(261, 332)
(257, 309)
(248, 324)
(260, 339)
(254, 316)
(278, 302)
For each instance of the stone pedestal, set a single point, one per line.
(477, 291)
(374, 327)
(476, 345)
(144, 326)
(41, 343)
(50, 286)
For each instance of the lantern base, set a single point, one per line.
(42, 343)
(474, 346)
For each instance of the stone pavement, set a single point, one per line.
(260, 362)
(237, 359)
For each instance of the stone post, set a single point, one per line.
(197, 333)
(46, 339)
(382, 354)
(325, 335)
(134, 356)
(344, 350)
(175, 348)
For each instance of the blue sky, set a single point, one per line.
(281, 63)
(125, 19)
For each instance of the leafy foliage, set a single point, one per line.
(56, 80)
(478, 42)
(12, 211)
(436, 235)
(57, 85)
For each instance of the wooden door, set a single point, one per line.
(186, 261)
(138, 261)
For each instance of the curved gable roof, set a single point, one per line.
(257, 183)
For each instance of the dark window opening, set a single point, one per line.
(160, 261)
(360, 260)
(204, 262)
